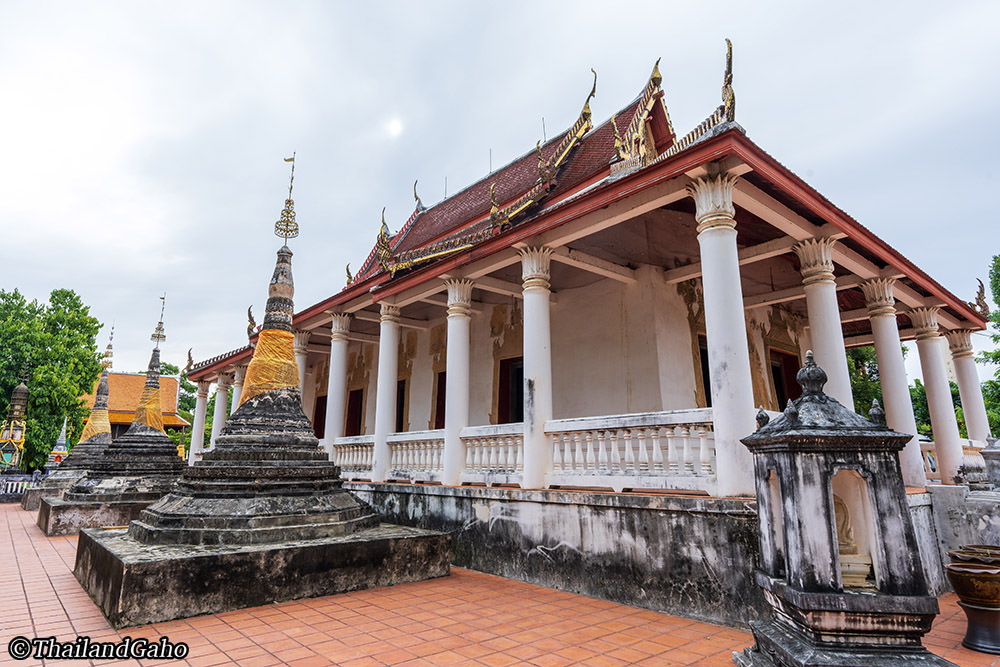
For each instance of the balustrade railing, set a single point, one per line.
(493, 454)
(355, 455)
(416, 456)
(670, 450)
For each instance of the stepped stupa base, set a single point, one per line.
(135, 583)
(54, 486)
(57, 516)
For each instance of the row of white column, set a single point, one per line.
(728, 356)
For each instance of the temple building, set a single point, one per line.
(608, 311)
(124, 393)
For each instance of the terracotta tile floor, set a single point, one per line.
(468, 618)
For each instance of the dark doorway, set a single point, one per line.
(706, 377)
(355, 403)
(319, 417)
(439, 399)
(784, 366)
(400, 405)
(510, 394)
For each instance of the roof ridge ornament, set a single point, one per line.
(498, 217)
(585, 112)
(286, 227)
(350, 278)
(416, 197)
(108, 359)
(619, 142)
(383, 250)
(980, 305)
(251, 322)
(728, 97)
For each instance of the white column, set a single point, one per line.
(973, 406)
(726, 333)
(385, 391)
(198, 427)
(221, 407)
(537, 347)
(892, 375)
(301, 357)
(237, 390)
(816, 258)
(947, 442)
(456, 410)
(336, 387)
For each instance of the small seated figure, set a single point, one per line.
(854, 567)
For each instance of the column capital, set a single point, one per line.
(816, 258)
(459, 297)
(301, 341)
(223, 381)
(535, 267)
(203, 389)
(925, 322)
(960, 343)
(389, 313)
(879, 297)
(340, 326)
(240, 373)
(713, 201)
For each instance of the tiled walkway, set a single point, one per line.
(465, 619)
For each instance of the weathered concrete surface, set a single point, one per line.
(60, 517)
(963, 517)
(692, 556)
(136, 583)
(53, 486)
(925, 529)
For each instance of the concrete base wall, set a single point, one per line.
(60, 517)
(964, 517)
(691, 556)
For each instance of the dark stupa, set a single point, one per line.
(262, 517)
(86, 454)
(131, 473)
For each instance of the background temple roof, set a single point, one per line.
(124, 390)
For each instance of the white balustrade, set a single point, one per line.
(355, 455)
(417, 456)
(929, 454)
(669, 450)
(493, 454)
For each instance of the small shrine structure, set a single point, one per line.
(12, 478)
(839, 561)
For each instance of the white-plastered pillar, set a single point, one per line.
(816, 259)
(198, 427)
(385, 391)
(221, 406)
(726, 332)
(973, 407)
(456, 410)
(537, 365)
(239, 374)
(302, 357)
(898, 405)
(947, 442)
(336, 388)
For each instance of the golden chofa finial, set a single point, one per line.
(593, 91)
(286, 227)
(656, 77)
(494, 205)
(350, 278)
(728, 97)
(385, 228)
(416, 198)
(619, 142)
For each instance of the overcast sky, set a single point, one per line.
(141, 144)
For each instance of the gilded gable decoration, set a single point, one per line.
(637, 147)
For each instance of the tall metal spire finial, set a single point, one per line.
(158, 334)
(728, 97)
(107, 361)
(286, 227)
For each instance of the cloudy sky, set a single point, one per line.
(141, 144)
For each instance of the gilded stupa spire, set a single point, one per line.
(286, 227)
(149, 412)
(108, 359)
(98, 421)
(273, 365)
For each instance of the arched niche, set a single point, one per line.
(855, 529)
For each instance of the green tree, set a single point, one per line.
(55, 345)
(993, 357)
(862, 366)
